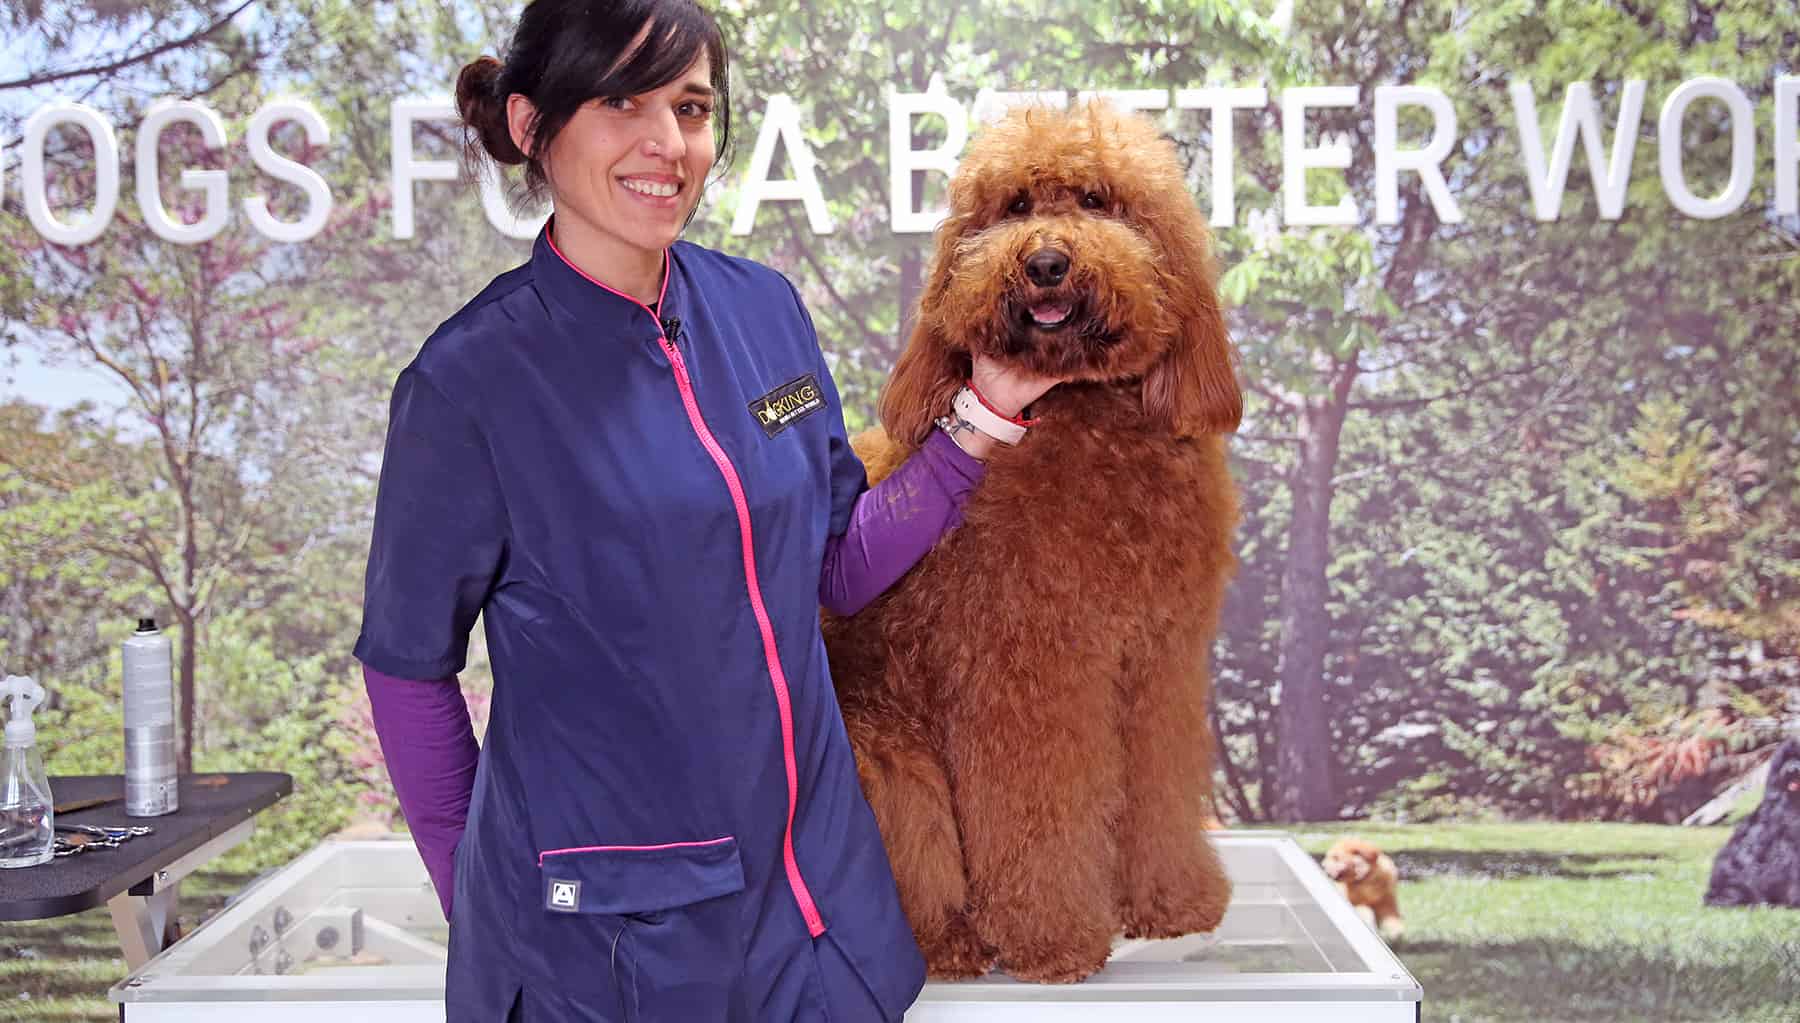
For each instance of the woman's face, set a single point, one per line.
(631, 168)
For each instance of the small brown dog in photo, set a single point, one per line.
(1370, 881)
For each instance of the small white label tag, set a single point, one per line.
(565, 895)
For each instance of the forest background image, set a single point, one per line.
(1520, 535)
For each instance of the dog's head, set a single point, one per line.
(1351, 859)
(1074, 249)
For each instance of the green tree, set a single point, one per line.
(1428, 372)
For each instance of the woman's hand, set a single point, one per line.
(1008, 388)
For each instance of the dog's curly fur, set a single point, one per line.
(1760, 864)
(1029, 706)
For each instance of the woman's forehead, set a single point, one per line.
(654, 35)
(698, 76)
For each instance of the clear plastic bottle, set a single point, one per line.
(27, 812)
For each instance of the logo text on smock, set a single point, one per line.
(788, 404)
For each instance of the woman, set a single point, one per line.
(628, 456)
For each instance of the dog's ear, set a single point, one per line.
(929, 372)
(1788, 750)
(1193, 388)
(925, 379)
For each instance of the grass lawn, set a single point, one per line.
(58, 970)
(1580, 922)
(1526, 922)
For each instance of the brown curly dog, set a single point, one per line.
(1029, 706)
(1368, 878)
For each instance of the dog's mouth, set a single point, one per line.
(1049, 315)
(1060, 313)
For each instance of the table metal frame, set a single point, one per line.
(145, 914)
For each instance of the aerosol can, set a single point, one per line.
(150, 786)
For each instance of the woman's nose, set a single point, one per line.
(663, 137)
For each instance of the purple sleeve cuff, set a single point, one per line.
(896, 522)
(430, 749)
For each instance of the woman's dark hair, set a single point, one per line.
(566, 53)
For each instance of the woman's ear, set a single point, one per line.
(521, 118)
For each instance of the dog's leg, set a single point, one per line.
(1171, 880)
(1035, 765)
(1387, 906)
(1730, 895)
(1388, 922)
(903, 779)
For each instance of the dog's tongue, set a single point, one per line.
(1048, 313)
(1794, 786)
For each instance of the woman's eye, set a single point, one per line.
(1020, 206)
(616, 102)
(694, 110)
(1092, 201)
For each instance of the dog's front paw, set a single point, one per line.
(1171, 887)
(1194, 909)
(956, 952)
(1063, 963)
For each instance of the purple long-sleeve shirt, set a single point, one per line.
(423, 725)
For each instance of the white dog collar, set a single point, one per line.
(969, 406)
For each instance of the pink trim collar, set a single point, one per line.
(660, 295)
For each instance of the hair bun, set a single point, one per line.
(483, 111)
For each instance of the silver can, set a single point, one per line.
(150, 781)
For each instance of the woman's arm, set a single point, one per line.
(436, 552)
(895, 522)
(431, 754)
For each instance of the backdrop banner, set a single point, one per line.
(1515, 288)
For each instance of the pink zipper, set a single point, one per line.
(815, 924)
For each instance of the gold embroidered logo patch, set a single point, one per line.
(788, 404)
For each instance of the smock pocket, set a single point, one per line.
(661, 925)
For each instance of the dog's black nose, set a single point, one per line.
(1047, 268)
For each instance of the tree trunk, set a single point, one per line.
(1304, 789)
(188, 609)
(184, 757)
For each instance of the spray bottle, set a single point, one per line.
(27, 813)
(150, 783)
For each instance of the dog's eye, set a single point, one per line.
(1092, 201)
(1020, 206)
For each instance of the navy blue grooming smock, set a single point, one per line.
(666, 822)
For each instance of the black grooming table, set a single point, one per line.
(141, 875)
